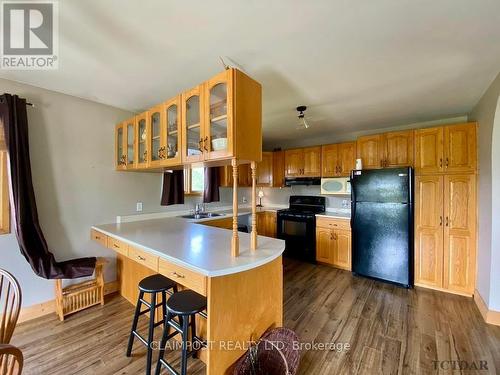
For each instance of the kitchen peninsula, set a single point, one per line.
(244, 294)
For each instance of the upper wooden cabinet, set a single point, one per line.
(222, 119)
(446, 149)
(303, 162)
(142, 143)
(338, 159)
(265, 170)
(370, 149)
(278, 168)
(398, 148)
(393, 149)
(217, 120)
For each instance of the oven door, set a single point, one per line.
(299, 234)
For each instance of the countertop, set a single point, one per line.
(203, 249)
(345, 215)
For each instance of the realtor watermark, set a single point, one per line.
(30, 35)
(461, 365)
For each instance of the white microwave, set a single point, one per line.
(336, 186)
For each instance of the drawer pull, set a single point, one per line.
(115, 245)
(141, 258)
(178, 275)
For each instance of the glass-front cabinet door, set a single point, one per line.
(218, 112)
(171, 136)
(156, 135)
(129, 135)
(120, 157)
(193, 143)
(142, 130)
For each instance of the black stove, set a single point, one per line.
(297, 226)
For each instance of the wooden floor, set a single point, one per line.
(390, 331)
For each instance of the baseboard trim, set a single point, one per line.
(49, 307)
(464, 294)
(489, 316)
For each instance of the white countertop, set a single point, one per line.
(203, 249)
(336, 214)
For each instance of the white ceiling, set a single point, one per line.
(356, 64)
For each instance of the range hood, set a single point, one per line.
(308, 181)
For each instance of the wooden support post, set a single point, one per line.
(235, 243)
(253, 243)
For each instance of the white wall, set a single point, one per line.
(75, 182)
(488, 116)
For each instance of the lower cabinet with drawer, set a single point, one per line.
(333, 242)
(183, 276)
(142, 257)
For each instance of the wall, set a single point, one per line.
(75, 183)
(487, 114)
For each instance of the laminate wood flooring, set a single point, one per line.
(389, 330)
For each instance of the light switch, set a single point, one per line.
(139, 207)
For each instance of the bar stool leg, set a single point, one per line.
(134, 324)
(193, 334)
(163, 342)
(185, 339)
(164, 308)
(152, 314)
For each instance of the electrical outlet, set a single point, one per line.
(138, 207)
(244, 199)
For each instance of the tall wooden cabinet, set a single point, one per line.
(393, 149)
(265, 170)
(303, 162)
(445, 232)
(338, 159)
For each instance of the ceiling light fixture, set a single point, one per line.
(302, 120)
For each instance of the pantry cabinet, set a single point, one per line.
(446, 149)
(445, 232)
(303, 162)
(393, 149)
(338, 160)
(333, 242)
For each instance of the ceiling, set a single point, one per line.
(356, 65)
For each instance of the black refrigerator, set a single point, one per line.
(382, 224)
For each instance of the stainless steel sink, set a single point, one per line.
(203, 215)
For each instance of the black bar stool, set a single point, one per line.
(153, 285)
(185, 305)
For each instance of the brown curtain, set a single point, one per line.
(212, 184)
(27, 227)
(173, 188)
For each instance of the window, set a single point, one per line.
(4, 187)
(194, 181)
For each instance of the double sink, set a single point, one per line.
(202, 215)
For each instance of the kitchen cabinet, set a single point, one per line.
(393, 149)
(209, 112)
(278, 169)
(338, 159)
(120, 157)
(141, 140)
(130, 134)
(265, 170)
(303, 162)
(445, 232)
(266, 223)
(398, 148)
(370, 150)
(244, 176)
(446, 149)
(333, 242)
(164, 135)
(294, 162)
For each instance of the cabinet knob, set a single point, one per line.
(200, 148)
(447, 221)
(447, 163)
(440, 221)
(205, 144)
(440, 163)
(178, 275)
(141, 258)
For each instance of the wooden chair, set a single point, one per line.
(10, 305)
(11, 360)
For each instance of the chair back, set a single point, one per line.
(10, 305)
(11, 360)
